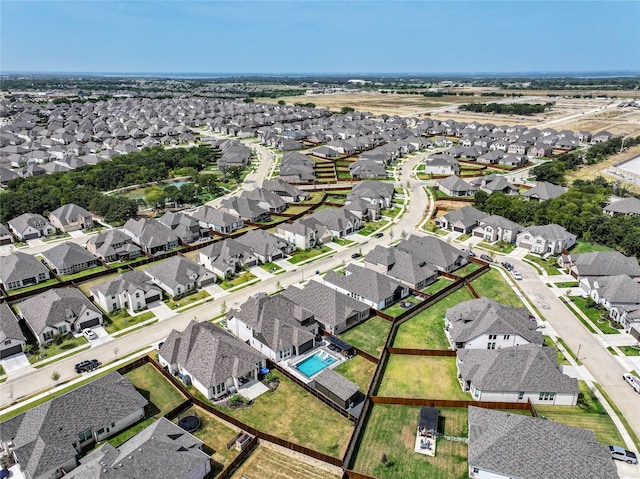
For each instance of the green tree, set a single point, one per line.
(155, 197)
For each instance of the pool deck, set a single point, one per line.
(289, 364)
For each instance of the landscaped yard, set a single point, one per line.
(370, 226)
(343, 242)
(594, 315)
(357, 370)
(303, 255)
(584, 247)
(242, 278)
(492, 285)
(396, 309)
(390, 212)
(549, 265)
(369, 336)
(185, 300)
(591, 415)
(272, 268)
(498, 247)
(391, 430)
(54, 349)
(33, 286)
(308, 421)
(121, 319)
(81, 274)
(425, 330)
(266, 463)
(433, 377)
(630, 350)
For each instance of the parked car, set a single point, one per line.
(633, 381)
(89, 334)
(621, 454)
(507, 266)
(379, 235)
(469, 252)
(516, 275)
(86, 366)
(486, 257)
(356, 255)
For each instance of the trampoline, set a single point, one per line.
(189, 423)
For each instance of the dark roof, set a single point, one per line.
(428, 418)
(18, 266)
(9, 327)
(337, 384)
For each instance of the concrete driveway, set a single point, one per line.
(15, 363)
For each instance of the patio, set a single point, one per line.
(252, 389)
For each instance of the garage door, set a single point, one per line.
(90, 323)
(208, 281)
(458, 229)
(154, 298)
(5, 353)
(31, 236)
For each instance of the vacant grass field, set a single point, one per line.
(266, 463)
(391, 430)
(369, 336)
(421, 377)
(584, 247)
(426, 329)
(492, 285)
(307, 421)
(591, 415)
(357, 370)
(160, 393)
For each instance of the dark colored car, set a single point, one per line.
(356, 255)
(378, 235)
(507, 266)
(486, 257)
(85, 366)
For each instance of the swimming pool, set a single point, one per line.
(315, 363)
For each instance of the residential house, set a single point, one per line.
(227, 258)
(368, 169)
(162, 449)
(338, 221)
(455, 186)
(504, 444)
(245, 208)
(601, 263)
(275, 326)
(545, 239)
(337, 389)
(12, 340)
(131, 291)
(186, 228)
(414, 272)
(495, 184)
(485, 324)
(373, 191)
(620, 295)
(297, 168)
(434, 251)
(113, 245)
(601, 137)
(442, 165)
(627, 206)
(544, 191)
(151, 235)
(375, 289)
(285, 190)
(266, 199)
(30, 226)
(540, 150)
(520, 374)
(5, 235)
(217, 220)
(58, 311)
(19, 270)
(71, 217)
(333, 310)
(297, 233)
(265, 246)
(462, 220)
(69, 258)
(47, 439)
(180, 276)
(214, 361)
(513, 160)
(497, 228)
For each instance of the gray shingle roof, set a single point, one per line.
(18, 266)
(43, 436)
(551, 232)
(9, 327)
(209, 353)
(113, 242)
(177, 270)
(619, 289)
(515, 445)
(605, 263)
(432, 250)
(150, 232)
(213, 216)
(401, 265)
(625, 206)
(467, 215)
(129, 281)
(454, 183)
(545, 191)
(337, 384)
(264, 244)
(522, 368)
(68, 254)
(25, 220)
(69, 213)
(364, 282)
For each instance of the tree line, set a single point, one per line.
(579, 211)
(84, 186)
(507, 108)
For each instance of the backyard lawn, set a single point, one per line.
(440, 284)
(396, 309)
(357, 370)
(425, 330)
(467, 269)
(33, 287)
(492, 285)
(584, 247)
(391, 430)
(81, 274)
(266, 463)
(303, 255)
(160, 393)
(433, 377)
(369, 336)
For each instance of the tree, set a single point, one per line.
(346, 109)
(480, 199)
(155, 197)
(188, 193)
(55, 375)
(281, 102)
(223, 307)
(172, 193)
(236, 173)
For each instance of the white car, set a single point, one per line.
(89, 334)
(633, 381)
(516, 275)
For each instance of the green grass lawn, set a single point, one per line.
(343, 242)
(369, 336)
(307, 421)
(303, 255)
(467, 269)
(121, 319)
(185, 300)
(294, 209)
(54, 349)
(87, 285)
(391, 430)
(426, 329)
(584, 247)
(82, 274)
(439, 285)
(33, 286)
(357, 370)
(315, 197)
(559, 354)
(390, 212)
(371, 226)
(629, 350)
(498, 247)
(396, 310)
(594, 315)
(591, 415)
(160, 393)
(548, 265)
(421, 377)
(240, 279)
(567, 284)
(268, 267)
(492, 285)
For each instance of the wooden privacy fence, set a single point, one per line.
(228, 471)
(452, 403)
(421, 352)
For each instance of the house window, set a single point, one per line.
(137, 295)
(546, 396)
(492, 336)
(491, 346)
(100, 431)
(47, 335)
(85, 436)
(114, 306)
(8, 341)
(506, 336)
(220, 388)
(62, 329)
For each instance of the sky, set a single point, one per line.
(321, 37)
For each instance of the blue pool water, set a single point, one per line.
(316, 363)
